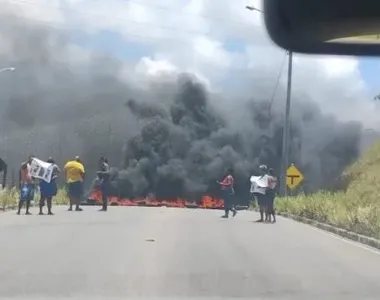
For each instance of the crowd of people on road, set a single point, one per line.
(263, 189)
(75, 175)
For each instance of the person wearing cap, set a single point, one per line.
(75, 173)
(258, 189)
(227, 187)
(49, 189)
(271, 194)
(104, 175)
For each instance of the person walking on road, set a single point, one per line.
(227, 188)
(26, 186)
(271, 194)
(104, 177)
(49, 189)
(74, 178)
(258, 189)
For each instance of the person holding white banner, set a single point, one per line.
(259, 185)
(48, 189)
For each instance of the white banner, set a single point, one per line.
(261, 181)
(259, 184)
(41, 169)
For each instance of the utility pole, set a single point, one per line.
(286, 131)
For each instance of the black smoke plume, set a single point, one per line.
(181, 150)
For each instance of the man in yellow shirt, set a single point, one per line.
(74, 178)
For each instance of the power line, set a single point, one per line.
(277, 83)
(120, 20)
(58, 26)
(49, 25)
(61, 27)
(130, 33)
(166, 8)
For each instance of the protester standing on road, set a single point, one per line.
(26, 186)
(3, 169)
(227, 187)
(74, 178)
(271, 194)
(49, 189)
(104, 177)
(259, 190)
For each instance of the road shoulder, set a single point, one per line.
(369, 241)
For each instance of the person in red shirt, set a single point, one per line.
(26, 185)
(271, 194)
(227, 188)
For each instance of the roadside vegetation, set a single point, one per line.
(9, 198)
(356, 209)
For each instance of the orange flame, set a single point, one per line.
(206, 201)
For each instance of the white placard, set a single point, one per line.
(261, 181)
(41, 169)
(259, 184)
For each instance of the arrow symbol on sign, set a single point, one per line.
(292, 177)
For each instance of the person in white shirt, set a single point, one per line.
(259, 186)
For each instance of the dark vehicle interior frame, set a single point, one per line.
(304, 25)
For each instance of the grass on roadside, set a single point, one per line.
(9, 198)
(356, 209)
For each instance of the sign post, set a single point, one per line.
(293, 177)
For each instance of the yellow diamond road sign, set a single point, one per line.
(293, 177)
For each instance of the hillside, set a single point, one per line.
(356, 209)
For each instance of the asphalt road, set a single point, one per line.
(133, 252)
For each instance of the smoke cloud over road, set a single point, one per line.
(183, 148)
(172, 141)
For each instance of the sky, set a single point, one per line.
(369, 69)
(222, 43)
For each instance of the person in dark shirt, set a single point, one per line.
(3, 169)
(271, 194)
(104, 175)
(49, 189)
